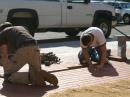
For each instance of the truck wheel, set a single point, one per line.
(126, 19)
(72, 33)
(27, 22)
(105, 25)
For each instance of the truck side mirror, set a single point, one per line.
(87, 1)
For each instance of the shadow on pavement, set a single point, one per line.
(116, 59)
(128, 61)
(17, 90)
(60, 43)
(63, 42)
(69, 68)
(76, 38)
(119, 59)
(108, 70)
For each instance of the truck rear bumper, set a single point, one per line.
(114, 21)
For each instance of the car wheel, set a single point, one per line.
(105, 25)
(72, 32)
(126, 19)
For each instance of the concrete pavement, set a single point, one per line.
(70, 73)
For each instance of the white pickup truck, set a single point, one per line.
(69, 16)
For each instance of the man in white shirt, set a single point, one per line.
(93, 44)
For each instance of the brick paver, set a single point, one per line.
(70, 73)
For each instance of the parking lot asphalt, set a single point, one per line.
(69, 72)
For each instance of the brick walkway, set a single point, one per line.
(70, 73)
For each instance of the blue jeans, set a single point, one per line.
(94, 55)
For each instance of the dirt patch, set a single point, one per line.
(116, 89)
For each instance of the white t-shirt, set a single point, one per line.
(99, 38)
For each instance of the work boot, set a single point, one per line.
(38, 80)
(52, 79)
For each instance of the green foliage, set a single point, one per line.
(49, 59)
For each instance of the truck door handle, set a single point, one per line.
(69, 7)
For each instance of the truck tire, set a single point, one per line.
(24, 17)
(105, 25)
(126, 19)
(72, 32)
(26, 22)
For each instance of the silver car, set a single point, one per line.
(122, 11)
